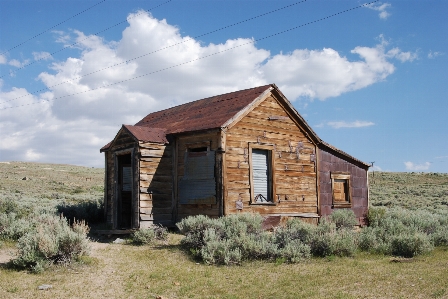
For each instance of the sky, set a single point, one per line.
(369, 79)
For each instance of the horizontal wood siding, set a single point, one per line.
(155, 184)
(294, 176)
(193, 140)
(330, 162)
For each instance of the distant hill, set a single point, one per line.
(409, 190)
(54, 183)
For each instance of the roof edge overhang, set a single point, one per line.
(107, 146)
(309, 132)
(243, 112)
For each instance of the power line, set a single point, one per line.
(199, 58)
(53, 27)
(161, 49)
(70, 46)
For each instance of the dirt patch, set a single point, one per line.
(7, 254)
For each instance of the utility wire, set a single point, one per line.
(199, 58)
(164, 48)
(71, 46)
(53, 27)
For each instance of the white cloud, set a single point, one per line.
(417, 167)
(32, 155)
(402, 56)
(382, 8)
(354, 124)
(3, 59)
(42, 56)
(17, 63)
(432, 55)
(71, 122)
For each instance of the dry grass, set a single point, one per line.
(125, 271)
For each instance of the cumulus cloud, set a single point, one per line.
(417, 167)
(382, 8)
(3, 59)
(354, 124)
(92, 94)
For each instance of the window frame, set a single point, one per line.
(271, 166)
(346, 178)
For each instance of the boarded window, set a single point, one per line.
(261, 176)
(126, 179)
(198, 185)
(341, 190)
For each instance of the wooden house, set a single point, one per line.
(244, 151)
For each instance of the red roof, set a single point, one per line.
(203, 114)
(209, 113)
(148, 134)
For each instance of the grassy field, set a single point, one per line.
(165, 271)
(409, 190)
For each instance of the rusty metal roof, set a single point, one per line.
(147, 134)
(208, 113)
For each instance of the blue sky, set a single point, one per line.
(370, 81)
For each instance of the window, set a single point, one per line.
(198, 186)
(261, 174)
(340, 184)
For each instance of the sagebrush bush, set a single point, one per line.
(149, 236)
(344, 218)
(13, 227)
(52, 240)
(375, 215)
(219, 251)
(295, 229)
(295, 251)
(410, 245)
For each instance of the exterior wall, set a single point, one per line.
(294, 178)
(155, 184)
(329, 162)
(123, 142)
(183, 142)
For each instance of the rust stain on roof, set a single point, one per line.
(208, 113)
(148, 134)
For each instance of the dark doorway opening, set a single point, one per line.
(124, 204)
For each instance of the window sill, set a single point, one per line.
(263, 204)
(342, 205)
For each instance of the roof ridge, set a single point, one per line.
(203, 99)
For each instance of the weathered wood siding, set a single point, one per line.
(294, 176)
(329, 162)
(183, 142)
(123, 142)
(155, 184)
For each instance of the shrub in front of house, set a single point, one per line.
(149, 236)
(343, 218)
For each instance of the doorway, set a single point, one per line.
(124, 198)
